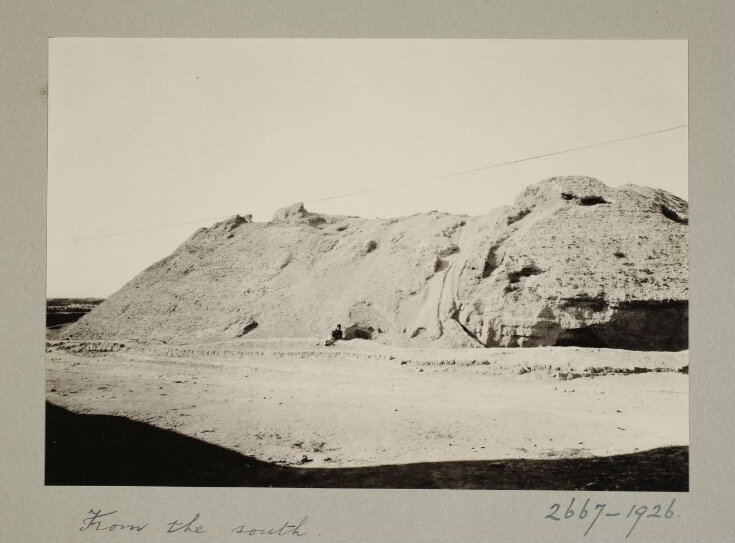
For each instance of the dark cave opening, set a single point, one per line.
(584, 200)
(526, 271)
(579, 337)
(360, 332)
(591, 200)
(247, 328)
(673, 215)
(637, 326)
(492, 260)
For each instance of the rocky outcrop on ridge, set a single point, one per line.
(571, 262)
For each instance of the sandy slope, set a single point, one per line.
(571, 262)
(364, 405)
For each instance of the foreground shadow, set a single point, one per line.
(110, 450)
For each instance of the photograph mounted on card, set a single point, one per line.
(424, 264)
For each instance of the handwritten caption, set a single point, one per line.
(109, 522)
(592, 513)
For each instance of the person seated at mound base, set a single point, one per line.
(336, 334)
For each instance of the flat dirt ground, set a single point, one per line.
(291, 403)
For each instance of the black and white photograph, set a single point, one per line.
(364, 263)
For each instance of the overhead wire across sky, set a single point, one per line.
(394, 186)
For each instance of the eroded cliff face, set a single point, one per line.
(580, 263)
(572, 262)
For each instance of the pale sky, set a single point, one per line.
(145, 133)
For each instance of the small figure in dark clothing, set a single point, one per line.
(336, 334)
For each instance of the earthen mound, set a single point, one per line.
(571, 262)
